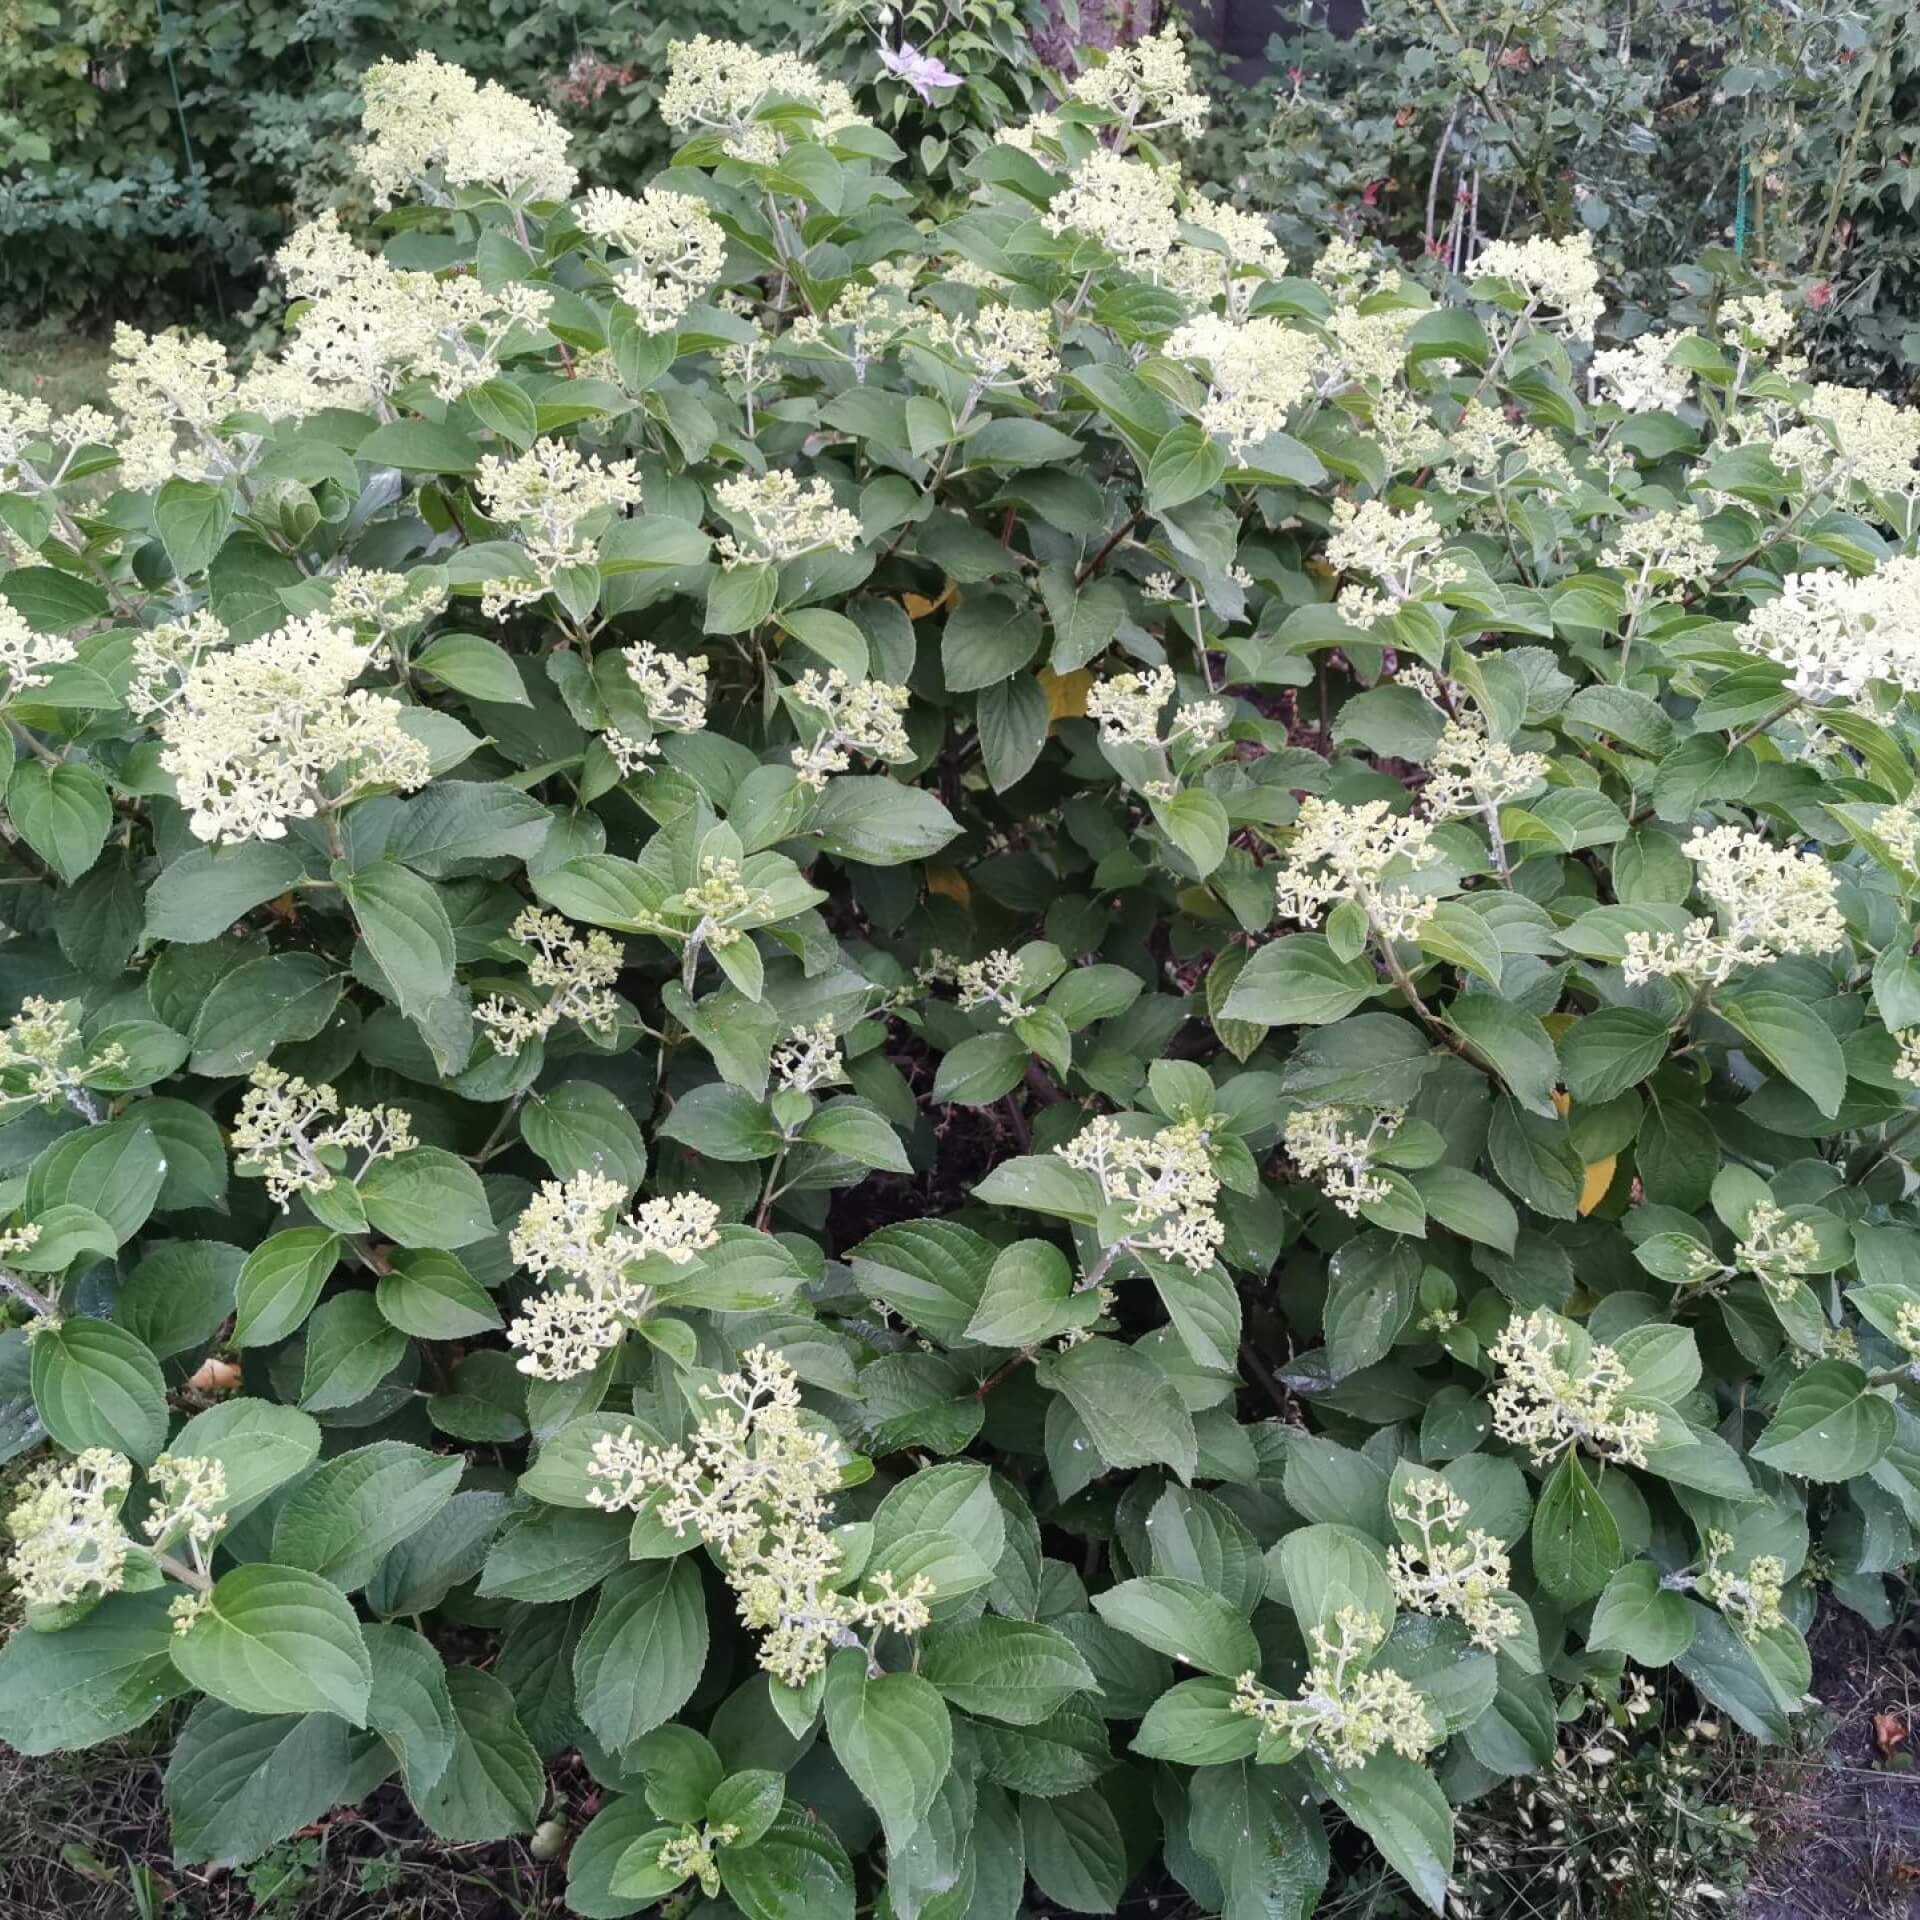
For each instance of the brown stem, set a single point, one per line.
(1094, 565)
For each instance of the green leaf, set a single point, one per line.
(419, 446)
(856, 1131)
(580, 1127)
(643, 1652)
(1186, 464)
(100, 1678)
(430, 1295)
(475, 667)
(493, 1785)
(116, 1171)
(237, 1785)
(894, 1737)
(1795, 1040)
(345, 1516)
(1196, 823)
(259, 1006)
(1398, 1805)
(97, 1385)
(981, 1070)
(1576, 1540)
(1516, 1043)
(1075, 1852)
(1638, 1616)
(191, 517)
(261, 1446)
(280, 1282)
(878, 822)
(1179, 1618)
(1299, 981)
(740, 598)
(351, 1348)
(275, 1639)
(797, 1870)
(1607, 1052)
(1194, 1724)
(202, 893)
(1012, 718)
(62, 812)
(1015, 1671)
(1247, 1823)
(1128, 1405)
(723, 1123)
(426, 1197)
(988, 638)
(407, 931)
(1829, 1425)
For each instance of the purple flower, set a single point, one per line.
(921, 71)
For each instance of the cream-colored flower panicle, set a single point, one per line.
(1468, 772)
(718, 85)
(1128, 708)
(580, 970)
(1002, 347)
(675, 250)
(1559, 1389)
(1163, 1182)
(777, 518)
(673, 690)
(809, 1057)
(1641, 377)
(1126, 205)
(756, 1482)
(1665, 552)
(1449, 1571)
(274, 730)
(1147, 86)
(297, 1137)
(389, 603)
(172, 392)
(1757, 322)
(1325, 1144)
(65, 1522)
(1258, 371)
(854, 716)
(1772, 901)
(1345, 1711)
(1355, 853)
(1751, 1599)
(550, 496)
(1837, 634)
(27, 657)
(1247, 255)
(429, 124)
(567, 1233)
(37, 445)
(42, 1058)
(996, 981)
(1561, 279)
(1400, 552)
(1777, 1249)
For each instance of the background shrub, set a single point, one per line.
(1009, 1046)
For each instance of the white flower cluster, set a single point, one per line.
(278, 1134)
(581, 973)
(809, 1057)
(1400, 551)
(42, 1059)
(269, 732)
(1560, 276)
(1772, 901)
(1907, 1066)
(549, 495)
(386, 602)
(1146, 86)
(719, 84)
(1126, 205)
(1001, 346)
(428, 121)
(165, 656)
(1665, 551)
(1874, 440)
(1560, 1390)
(1837, 634)
(715, 908)
(756, 1482)
(190, 1504)
(1345, 1711)
(565, 1231)
(864, 318)
(1470, 772)
(779, 518)
(367, 329)
(1641, 377)
(162, 385)
(1248, 254)
(675, 250)
(1486, 443)
(1447, 1572)
(1348, 853)
(1369, 347)
(692, 1854)
(65, 1522)
(1128, 708)
(994, 981)
(1164, 1183)
(27, 425)
(27, 657)
(1323, 1144)
(1258, 371)
(1756, 322)
(856, 716)
(1750, 1600)
(1777, 1250)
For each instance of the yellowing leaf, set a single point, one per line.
(1594, 1188)
(1066, 694)
(918, 606)
(951, 882)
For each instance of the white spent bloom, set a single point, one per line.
(779, 518)
(1258, 371)
(1125, 205)
(856, 716)
(272, 731)
(191, 1504)
(1323, 1144)
(1665, 551)
(1756, 322)
(1837, 634)
(42, 1058)
(1750, 1600)
(65, 1522)
(165, 385)
(424, 117)
(1776, 1249)
(1347, 853)
(993, 981)
(1876, 441)
(1002, 346)
(1561, 276)
(675, 250)
(1561, 1389)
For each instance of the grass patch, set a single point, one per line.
(64, 369)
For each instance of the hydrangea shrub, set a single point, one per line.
(1010, 1048)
